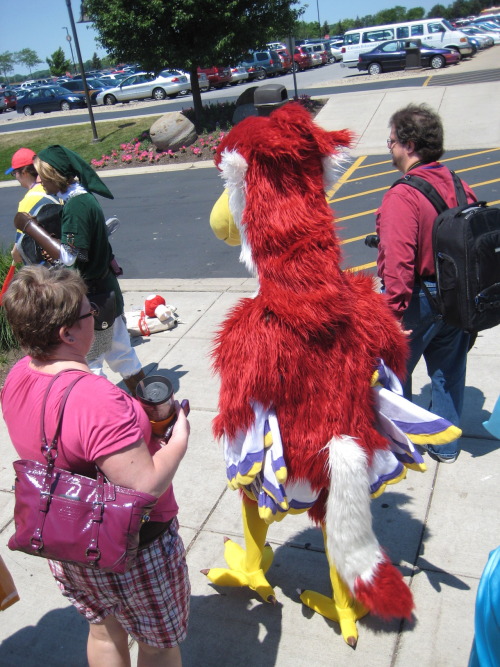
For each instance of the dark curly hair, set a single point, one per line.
(421, 125)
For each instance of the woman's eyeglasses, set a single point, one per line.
(94, 311)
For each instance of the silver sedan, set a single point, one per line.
(141, 86)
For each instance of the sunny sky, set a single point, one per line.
(40, 24)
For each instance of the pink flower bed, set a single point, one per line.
(142, 151)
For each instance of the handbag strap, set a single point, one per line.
(49, 450)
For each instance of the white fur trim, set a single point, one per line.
(234, 168)
(350, 540)
(334, 166)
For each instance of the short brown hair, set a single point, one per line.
(48, 172)
(421, 125)
(38, 303)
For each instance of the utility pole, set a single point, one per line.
(68, 38)
(82, 72)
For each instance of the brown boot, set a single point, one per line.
(133, 381)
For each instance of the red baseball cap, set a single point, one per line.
(21, 158)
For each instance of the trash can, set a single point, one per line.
(268, 97)
(412, 50)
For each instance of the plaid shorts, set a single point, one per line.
(150, 601)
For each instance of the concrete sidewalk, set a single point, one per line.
(438, 527)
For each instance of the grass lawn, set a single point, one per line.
(77, 137)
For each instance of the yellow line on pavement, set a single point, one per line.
(356, 215)
(359, 194)
(478, 185)
(362, 267)
(354, 238)
(448, 159)
(427, 81)
(344, 178)
(379, 173)
(479, 166)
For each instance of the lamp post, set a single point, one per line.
(319, 22)
(82, 72)
(68, 38)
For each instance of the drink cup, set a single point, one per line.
(156, 394)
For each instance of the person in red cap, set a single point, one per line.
(23, 170)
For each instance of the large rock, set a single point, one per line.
(172, 131)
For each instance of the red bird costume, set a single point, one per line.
(296, 410)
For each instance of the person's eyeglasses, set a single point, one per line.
(94, 311)
(14, 173)
(391, 142)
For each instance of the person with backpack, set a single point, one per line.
(406, 266)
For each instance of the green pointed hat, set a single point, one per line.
(69, 164)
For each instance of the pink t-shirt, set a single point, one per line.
(99, 419)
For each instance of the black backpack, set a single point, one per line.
(466, 248)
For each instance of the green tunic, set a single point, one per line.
(83, 228)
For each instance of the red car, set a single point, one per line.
(286, 59)
(7, 100)
(301, 59)
(218, 77)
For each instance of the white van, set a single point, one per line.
(438, 33)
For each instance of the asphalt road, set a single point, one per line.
(165, 229)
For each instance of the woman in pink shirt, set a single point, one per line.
(102, 426)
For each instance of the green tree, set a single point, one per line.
(28, 58)
(188, 33)
(58, 64)
(96, 62)
(415, 14)
(6, 64)
(325, 29)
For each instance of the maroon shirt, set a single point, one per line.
(404, 224)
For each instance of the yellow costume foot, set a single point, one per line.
(345, 616)
(238, 574)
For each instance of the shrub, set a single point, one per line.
(7, 340)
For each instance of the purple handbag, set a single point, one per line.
(72, 518)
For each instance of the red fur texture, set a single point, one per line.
(307, 344)
(387, 595)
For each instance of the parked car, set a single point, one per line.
(49, 98)
(316, 58)
(334, 49)
(476, 30)
(260, 64)
(218, 77)
(95, 87)
(238, 75)
(7, 99)
(142, 86)
(286, 59)
(482, 39)
(203, 82)
(391, 55)
(301, 59)
(321, 48)
(113, 78)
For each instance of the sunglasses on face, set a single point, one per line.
(94, 312)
